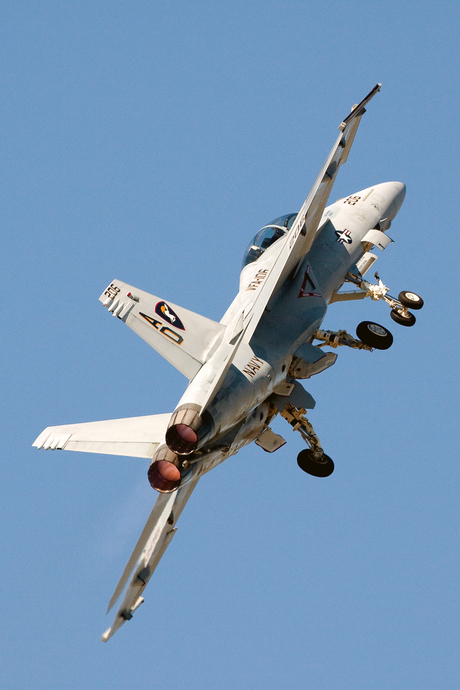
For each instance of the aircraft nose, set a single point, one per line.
(393, 194)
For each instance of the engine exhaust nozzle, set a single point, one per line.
(165, 471)
(182, 432)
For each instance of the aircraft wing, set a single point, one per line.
(181, 336)
(299, 239)
(153, 542)
(138, 437)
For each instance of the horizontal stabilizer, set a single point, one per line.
(182, 337)
(138, 437)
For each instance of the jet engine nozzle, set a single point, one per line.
(182, 433)
(165, 471)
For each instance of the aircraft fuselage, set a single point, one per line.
(293, 314)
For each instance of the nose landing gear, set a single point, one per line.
(410, 300)
(407, 300)
(399, 307)
(401, 318)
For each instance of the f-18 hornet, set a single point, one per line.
(245, 370)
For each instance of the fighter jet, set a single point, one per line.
(245, 370)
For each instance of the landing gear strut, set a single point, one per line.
(371, 336)
(312, 460)
(399, 307)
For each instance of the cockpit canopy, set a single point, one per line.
(267, 236)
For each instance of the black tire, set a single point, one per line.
(402, 320)
(410, 300)
(317, 468)
(374, 335)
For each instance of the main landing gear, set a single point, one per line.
(312, 460)
(374, 335)
(316, 465)
(370, 336)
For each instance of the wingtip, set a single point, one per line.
(107, 635)
(359, 108)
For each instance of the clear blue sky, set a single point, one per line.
(148, 141)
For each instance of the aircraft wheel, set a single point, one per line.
(402, 320)
(318, 468)
(410, 300)
(374, 335)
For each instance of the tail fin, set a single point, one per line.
(179, 335)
